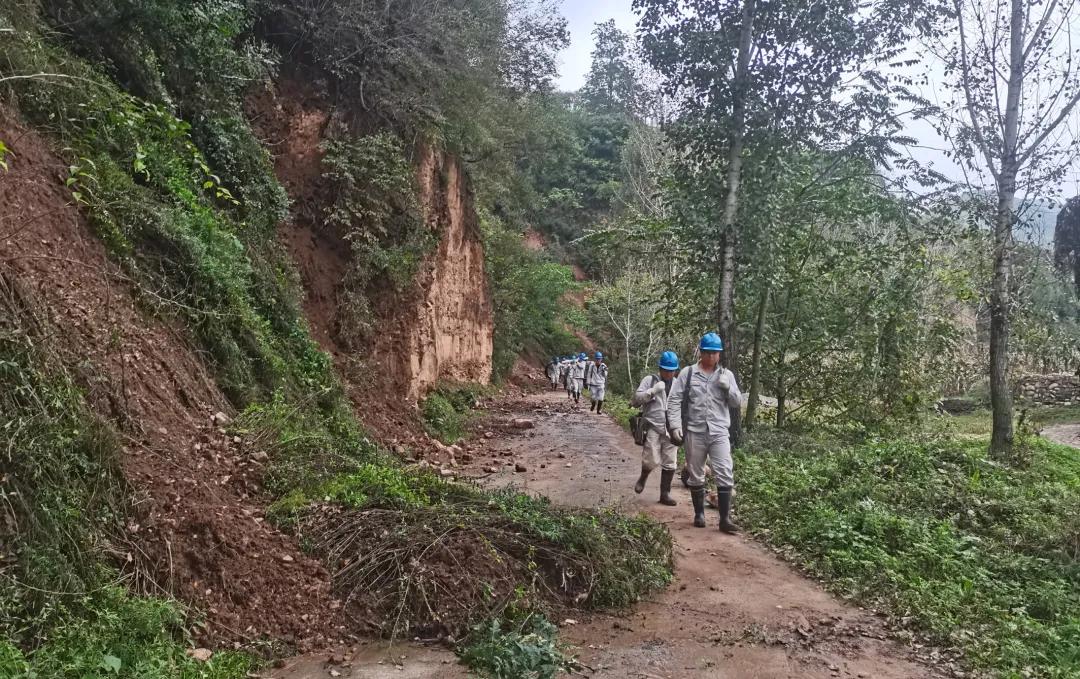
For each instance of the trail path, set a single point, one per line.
(734, 611)
(1066, 434)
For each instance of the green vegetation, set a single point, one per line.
(504, 649)
(446, 410)
(376, 209)
(969, 552)
(619, 408)
(66, 612)
(622, 557)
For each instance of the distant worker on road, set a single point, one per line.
(699, 413)
(564, 376)
(577, 376)
(659, 451)
(553, 372)
(596, 378)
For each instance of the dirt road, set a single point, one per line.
(734, 610)
(1065, 434)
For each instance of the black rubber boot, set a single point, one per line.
(698, 496)
(666, 476)
(592, 406)
(723, 500)
(640, 485)
(599, 407)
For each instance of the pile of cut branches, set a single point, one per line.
(434, 571)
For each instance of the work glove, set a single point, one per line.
(724, 381)
(657, 389)
(676, 436)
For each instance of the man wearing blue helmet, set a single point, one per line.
(658, 451)
(577, 376)
(699, 414)
(564, 375)
(596, 378)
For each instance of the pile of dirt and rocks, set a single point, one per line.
(196, 529)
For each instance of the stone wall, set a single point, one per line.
(1061, 389)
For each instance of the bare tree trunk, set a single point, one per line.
(1000, 398)
(755, 364)
(725, 299)
(781, 407)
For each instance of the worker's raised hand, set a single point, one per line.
(657, 389)
(724, 381)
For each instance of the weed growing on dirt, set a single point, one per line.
(446, 410)
(501, 648)
(619, 408)
(377, 211)
(975, 554)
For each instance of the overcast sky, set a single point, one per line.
(583, 15)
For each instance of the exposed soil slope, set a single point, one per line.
(447, 332)
(442, 327)
(197, 530)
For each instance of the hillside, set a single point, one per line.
(280, 281)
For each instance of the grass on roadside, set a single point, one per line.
(973, 553)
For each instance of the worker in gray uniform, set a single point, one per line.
(564, 376)
(652, 397)
(596, 378)
(577, 374)
(699, 414)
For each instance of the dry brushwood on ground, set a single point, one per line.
(434, 571)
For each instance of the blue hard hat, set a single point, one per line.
(599, 355)
(711, 342)
(582, 355)
(669, 360)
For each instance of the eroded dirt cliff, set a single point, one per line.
(441, 327)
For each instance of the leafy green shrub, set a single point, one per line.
(306, 445)
(619, 408)
(502, 649)
(447, 408)
(977, 555)
(377, 211)
(441, 419)
(121, 636)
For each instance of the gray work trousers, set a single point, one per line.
(715, 448)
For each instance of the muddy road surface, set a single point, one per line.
(734, 610)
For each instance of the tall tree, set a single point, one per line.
(611, 86)
(764, 72)
(1015, 79)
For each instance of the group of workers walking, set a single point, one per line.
(574, 373)
(690, 407)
